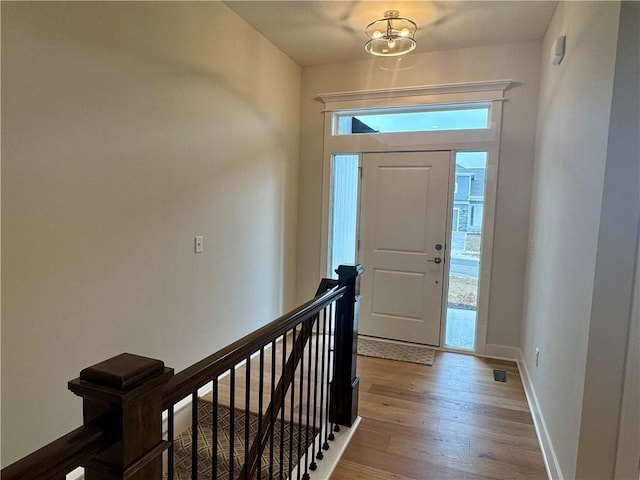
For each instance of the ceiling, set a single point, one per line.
(321, 32)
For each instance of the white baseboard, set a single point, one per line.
(77, 474)
(332, 456)
(501, 352)
(544, 439)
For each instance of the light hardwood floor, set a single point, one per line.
(448, 421)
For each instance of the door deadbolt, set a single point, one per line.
(438, 246)
(436, 260)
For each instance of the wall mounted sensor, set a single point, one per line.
(557, 52)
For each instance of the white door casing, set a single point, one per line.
(403, 217)
(487, 140)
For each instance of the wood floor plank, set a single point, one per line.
(528, 457)
(485, 465)
(464, 384)
(415, 468)
(354, 471)
(440, 401)
(402, 411)
(489, 433)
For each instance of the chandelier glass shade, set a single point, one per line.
(390, 36)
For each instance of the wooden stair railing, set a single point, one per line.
(124, 397)
(260, 443)
(63, 455)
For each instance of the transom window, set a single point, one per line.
(469, 116)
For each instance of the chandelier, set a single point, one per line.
(390, 36)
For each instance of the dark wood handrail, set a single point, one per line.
(190, 379)
(56, 459)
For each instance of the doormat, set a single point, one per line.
(401, 352)
(183, 444)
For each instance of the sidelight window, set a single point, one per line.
(466, 252)
(344, 211)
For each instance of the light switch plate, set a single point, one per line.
(199, 244)
(557, 53)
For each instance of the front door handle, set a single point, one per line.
(436, 260)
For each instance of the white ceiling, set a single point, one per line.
(320, 32)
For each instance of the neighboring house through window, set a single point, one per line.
(468, 198)
(455, 221)
(476, 216)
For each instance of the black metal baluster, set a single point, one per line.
(292, 410)
(306, 423)
(171, 451)
(325, 446)
(328, 433)
(282, 406)
(194, 435)
(303, 333)
(332, 359)
(247, 405)
(273, 407)
(214, 430)
(232, 419)
(313, 464)
(260, 405)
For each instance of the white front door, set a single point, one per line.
(402, 244)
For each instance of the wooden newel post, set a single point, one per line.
(344, 388)
(125, 394)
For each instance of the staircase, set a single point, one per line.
(268, 405)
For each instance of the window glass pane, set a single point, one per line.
(344, 210)
(466, 249)
(454, 223)
(476, 215)
(425, 119)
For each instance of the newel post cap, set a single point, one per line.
(349, 271)
(120, 378)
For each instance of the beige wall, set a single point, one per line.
(615, 260)
(584, 224)
(128, 128)
(517, 61)
(628, 451)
